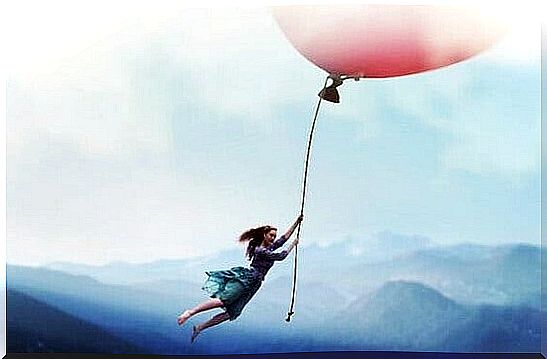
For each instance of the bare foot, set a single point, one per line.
(183, 317)
(195, 333)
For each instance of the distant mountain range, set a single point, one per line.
(121, 273)
(473, 274)
(461, 298)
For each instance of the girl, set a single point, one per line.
(233, 288)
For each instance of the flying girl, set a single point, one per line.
(233, 288)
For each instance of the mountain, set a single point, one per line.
(140, 317)
(32, 280)
(500, 329)
(121, 273)
(383, 246)
(403, 316)
(411, 316)
(461, 298)
(34, 326)
(502, 275)
(399, 315)
(145, 313)
(147, 316)
(473, 274)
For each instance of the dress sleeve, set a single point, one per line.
(269, 254)
(276, 244)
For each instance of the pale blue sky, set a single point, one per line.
(167, 138)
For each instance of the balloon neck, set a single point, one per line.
(330, 93)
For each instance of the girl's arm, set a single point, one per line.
(293, 227)
(292, 245)
(285, 237)
(268, 253)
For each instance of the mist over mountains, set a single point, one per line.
(467, 273)
(466, 298)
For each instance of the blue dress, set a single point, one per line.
(236, 286)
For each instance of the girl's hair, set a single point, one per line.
(255, 236)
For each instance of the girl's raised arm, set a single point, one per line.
(293, 227)
(278, 243)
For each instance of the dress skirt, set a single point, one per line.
(234, 287)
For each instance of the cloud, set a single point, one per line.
(401, 241)
(486, 113)
(485, 110)
(91, 151)
(521, 45)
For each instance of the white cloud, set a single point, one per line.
(90, 147)
(65, 204)
(521, 45)
(488, 112)
(90, 139)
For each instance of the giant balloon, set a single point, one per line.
(387, 40)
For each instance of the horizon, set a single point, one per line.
(313, 245)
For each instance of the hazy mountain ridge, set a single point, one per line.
(394, 310)
(122, 273)
(398, 316)
(475, 274)
(139, 317)
(411, 316)
(158, 333)
(468, 273)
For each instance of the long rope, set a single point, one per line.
(308, 152)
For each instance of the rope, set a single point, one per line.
(310, 139)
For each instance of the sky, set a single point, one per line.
(163, 133)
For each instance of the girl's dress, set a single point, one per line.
(236, 286)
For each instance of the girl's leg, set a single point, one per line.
(217, 319)
(210, 304)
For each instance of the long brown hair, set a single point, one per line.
(254, 236)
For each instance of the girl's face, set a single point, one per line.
(269, 237)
